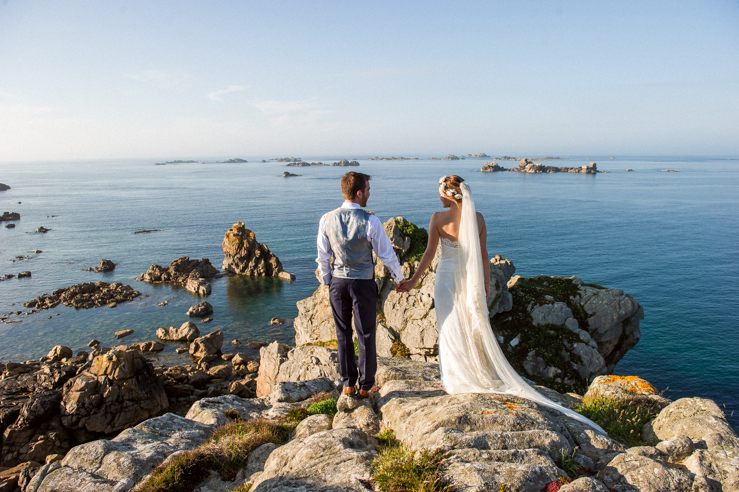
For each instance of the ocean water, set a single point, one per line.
(671, 240)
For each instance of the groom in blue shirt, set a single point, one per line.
(350, 234)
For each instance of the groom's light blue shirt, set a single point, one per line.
(375, 234)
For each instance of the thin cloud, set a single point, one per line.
(215, 96)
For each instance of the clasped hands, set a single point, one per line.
(405, 285)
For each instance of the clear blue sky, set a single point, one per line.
(180, 79)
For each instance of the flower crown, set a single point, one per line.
(446, 191)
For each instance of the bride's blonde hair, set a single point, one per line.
(451, 184)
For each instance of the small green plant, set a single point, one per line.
(398, 469)
(621, 418)
(297, 415)
(569, 465)
(419, 239)
(387, 439)
(356, 348)
(327, 407)
(400, 350)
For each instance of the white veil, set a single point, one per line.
(488, 363)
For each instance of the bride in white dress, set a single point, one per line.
(470, 360)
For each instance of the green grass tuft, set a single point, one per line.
(622, 419)
(297, 415)
(398, 469)
(226, 452)
(327, 407)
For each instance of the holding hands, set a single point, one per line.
(405, 285)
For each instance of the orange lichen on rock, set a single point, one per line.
(632, 384)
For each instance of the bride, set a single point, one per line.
(470, 360)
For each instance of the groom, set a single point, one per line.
(350, 234)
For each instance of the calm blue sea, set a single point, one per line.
(669, 239)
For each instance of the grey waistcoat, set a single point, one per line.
(346, 229)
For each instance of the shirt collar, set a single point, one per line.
(350, 205)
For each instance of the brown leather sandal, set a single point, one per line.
(350, 390)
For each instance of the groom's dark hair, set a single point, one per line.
(352, 182)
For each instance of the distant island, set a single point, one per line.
(233, 161)
(527, 166)
(175, 162)
(478, 155)
(509, 158)
(300, 163)
(393, 158)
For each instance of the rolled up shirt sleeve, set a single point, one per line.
(383, 247)
(324, 253)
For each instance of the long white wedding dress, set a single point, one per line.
(470, 358)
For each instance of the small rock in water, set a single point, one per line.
(10, 226)
(163, 303)
(276, 321)
(24, 274)
(112, 304)
(234, 342)
(104, 266)
(148, 347)
(181, 350)
(42, 230)
(206, 320)
(37, 251)
(201, 309)
(93, 343)
(123, 333)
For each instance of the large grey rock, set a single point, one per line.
(628, 472)
(312, 425)
(584, 484)
(196, 284)
(624, 387)
(201, 309)
(695, 418)
(58, 353)
(384, 339)
(315, 322)
(678, 448)
(118, 390)
(613, 321)
(293, 391)
(271, 358)
(480, 470)
(220, 410)
(258, 457)
(501, 271)
(337, 459)
(122, 462)
(395, 368)
(719, 468)
(244, 255)
(361, 417)
(279, 364)
(187, 332)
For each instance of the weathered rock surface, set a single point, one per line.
(245, 256)
(119, 464)
(194, 275)
(292, 391)
(279, 364)
(58, 353)
(630, 472)
(312, 425)
(118, 390)
(697, 418)
(85, 295)
(208, 345)
(337, 459)
(201, 309)
(187, 332)
(147, 347)
(213, 411)
(526, 166)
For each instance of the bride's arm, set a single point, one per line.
(428, 255)
(484, 251)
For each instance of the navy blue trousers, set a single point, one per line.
(357, 297)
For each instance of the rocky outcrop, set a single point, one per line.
(187, 332)
(526, 166)
(4, 187)
(207, 347)
(290, 175)
(86, 295)
(450, 157)
(201, 309)
(194, 275)
(279, 364)
(118, 390)
(119, 464)
(345, 162)
(245, 256)
(10, 216)
(103, 266)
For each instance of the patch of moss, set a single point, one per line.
(399, 469)
(226, 452)
(547, 341)
(621, 418)
(597, 286)
(419, 239)
(327, 407)
(400, 350)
